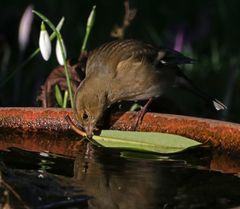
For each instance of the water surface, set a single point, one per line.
(92, 177)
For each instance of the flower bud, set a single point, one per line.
(60, 24)
(91, 17)
(45, 43)
(59, 54)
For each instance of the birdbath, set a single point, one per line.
(221, 135)
(38, 123)
(45, 132)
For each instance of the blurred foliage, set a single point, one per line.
(210, 34)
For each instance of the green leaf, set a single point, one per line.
(65, 99)
(58, 95)
(145, 141)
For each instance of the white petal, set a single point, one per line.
(60, 58)
(219, 105)
(45, 44)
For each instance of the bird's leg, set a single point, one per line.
(141, 113)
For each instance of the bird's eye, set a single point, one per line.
(85, 116)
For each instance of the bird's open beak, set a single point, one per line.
(89, 129)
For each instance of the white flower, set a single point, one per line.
(45, 43)
(59, 54)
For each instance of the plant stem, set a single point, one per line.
(59, 37)
(85, 41)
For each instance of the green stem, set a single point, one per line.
(59, 37)
(85, 40)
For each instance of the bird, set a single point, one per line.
(129, 70)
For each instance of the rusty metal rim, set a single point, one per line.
(220, 134)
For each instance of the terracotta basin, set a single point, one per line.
(46, 129)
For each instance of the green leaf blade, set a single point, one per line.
(58, 95)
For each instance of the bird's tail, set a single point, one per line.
(183, 81)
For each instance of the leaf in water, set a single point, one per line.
(145, 156)
(145, 141)
(168, 160)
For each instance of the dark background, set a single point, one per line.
(211, 32)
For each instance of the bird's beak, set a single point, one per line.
(89, 129)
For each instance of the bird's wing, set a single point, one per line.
(171, 57)
(112, 53)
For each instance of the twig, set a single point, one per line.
(74, 201)
(130, 13)
(82, 133)
(9, 188)
(74, 127)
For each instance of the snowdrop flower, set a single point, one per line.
(25, 28)
(59, 54)
(45, 43)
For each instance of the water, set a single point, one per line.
(85, 176)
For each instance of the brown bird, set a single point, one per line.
(129, 70)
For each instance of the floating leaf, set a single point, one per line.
(145, 141)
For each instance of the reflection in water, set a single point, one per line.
(119, 179)
(116, 183)
(133, 183)
(25, 177)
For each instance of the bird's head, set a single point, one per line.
(89, 107)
